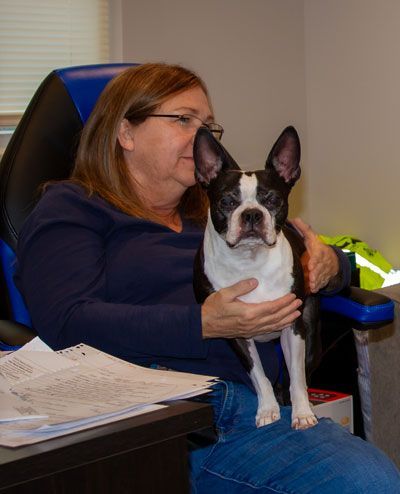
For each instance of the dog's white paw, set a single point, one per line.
(267, 416)
(304, 421)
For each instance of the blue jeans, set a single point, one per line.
(277, 459)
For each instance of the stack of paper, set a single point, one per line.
(45, 394)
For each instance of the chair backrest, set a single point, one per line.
(42, 148)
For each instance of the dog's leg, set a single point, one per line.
(268, 408)
(293, 347)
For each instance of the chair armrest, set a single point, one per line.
(14, 334)
(366, 309)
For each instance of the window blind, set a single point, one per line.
(37, 36)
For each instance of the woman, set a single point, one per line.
(107, 257)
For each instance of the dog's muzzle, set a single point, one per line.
(252, 224)
(251, 230)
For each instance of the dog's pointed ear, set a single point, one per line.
(284, 156)
(210, 157)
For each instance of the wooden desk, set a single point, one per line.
(144, 454)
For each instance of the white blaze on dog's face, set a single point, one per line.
(248, 208)
(250, 223)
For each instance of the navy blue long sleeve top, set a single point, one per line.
(93, 274)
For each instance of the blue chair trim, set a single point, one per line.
(7, 348)
(85, 95)
(18, 308)
(366, 314)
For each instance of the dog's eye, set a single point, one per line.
(228, 202)
(272, 201)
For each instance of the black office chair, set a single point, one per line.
(42, 148)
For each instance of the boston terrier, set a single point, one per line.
(247, 236)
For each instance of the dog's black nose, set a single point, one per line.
(251, 217)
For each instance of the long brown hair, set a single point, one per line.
(100, 166)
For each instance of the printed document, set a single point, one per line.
(46, 394)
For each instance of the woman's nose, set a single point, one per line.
(193, 133)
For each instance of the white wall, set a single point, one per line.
(353, 112)
(328, 67)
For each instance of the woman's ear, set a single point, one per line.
(125, 135)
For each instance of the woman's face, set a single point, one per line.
(160, 157)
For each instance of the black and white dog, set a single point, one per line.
(247, 236)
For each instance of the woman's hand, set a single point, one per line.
(224, 316)
(320, 263)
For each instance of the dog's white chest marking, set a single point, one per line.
(271, 266)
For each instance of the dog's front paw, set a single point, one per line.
(266, 416)
(303, 420)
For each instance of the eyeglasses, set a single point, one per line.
(191, 122)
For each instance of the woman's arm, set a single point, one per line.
(62, 273)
